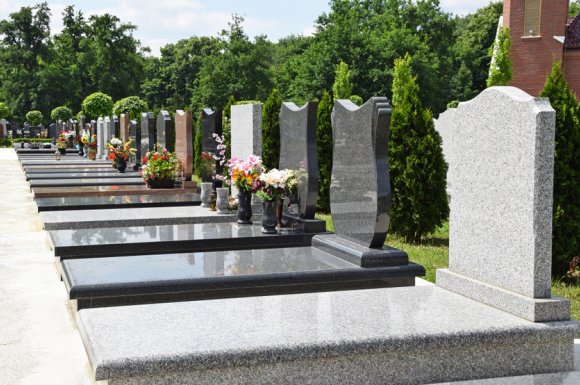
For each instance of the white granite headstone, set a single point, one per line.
(444, 125)
(246, 137)
(500, 239)
(100, 137)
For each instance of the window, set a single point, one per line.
(533, 13)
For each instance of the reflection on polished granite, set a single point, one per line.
(83, 175)
(90, 191)
(57, 166)
(111, 241)
(117, 201)
(63, 170)
(69, 162)
(86, 182)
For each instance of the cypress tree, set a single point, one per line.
(566, 209)
(324, 149)
(342, 87)
(271, 130)
(417, 168)
(500, 72)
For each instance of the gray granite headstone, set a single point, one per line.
(500, 236)
(298, 153)
(52, 131)
(82, 122)
(444, 125)
(107, 134)
(166, 131)
(93, 128)
(135, 136)
(101, 137)
(211, 123)
(147, 134)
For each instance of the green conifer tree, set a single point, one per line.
(500, 72)
(342, 87)
(417, 168)
(324, 149)
(566, 212)
(271, 130)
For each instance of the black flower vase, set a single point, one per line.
(81, 150)
(269, 218)
(121, 164)
(244, 208)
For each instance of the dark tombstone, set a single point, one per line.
(298, 153)
(165, 131)
(211, 123)
(117, 126)
(147, 132)
(52, 132)
(360, 191)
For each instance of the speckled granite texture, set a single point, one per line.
(398, 336)
(501, 211)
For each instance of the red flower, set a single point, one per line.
(155, 157)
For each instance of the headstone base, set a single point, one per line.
(532, 309)
(360, 255)
(306, 225)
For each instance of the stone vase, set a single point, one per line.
(92, 154)
(223, 201)
(244, 208)
(279, 213)
(121, 164)
(206, 189)
(160, 183)
(269, 218)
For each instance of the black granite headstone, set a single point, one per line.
(147, 132)
(298, 153)
(166, 130)
(135, 136)
(211, 123)
(52, 131)
(117, 126)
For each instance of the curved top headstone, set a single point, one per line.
(360, 189)
(298, 152)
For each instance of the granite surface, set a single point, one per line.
(116, 126)
(211, 123)
(35, 172)
(101, 139)
(73, 160)
(165, 130)
(396, 336)
(246, 130)
(69, 167)
(444, 125)
(184, 141)
(108, 130)
(298, 153)
(124, 124)
(83, 175)
(360, 190)
(136, 240)
(147, 132)
(107, 181)
(502, 173)
(53, 192)
(117, 202)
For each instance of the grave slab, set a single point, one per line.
(147, 216)
(403, 336)
(72, 161)
(107, 181)
(52, 192)
(116, 202)
(143, 240)
(82, 175)
(68, 167)
(96, 282)
(63, 170)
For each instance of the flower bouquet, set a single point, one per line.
(270, 188)
(92, 150)
(160, 168)
(120, 152)
(243, 175)
(61, 144)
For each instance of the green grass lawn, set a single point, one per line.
(433, 254)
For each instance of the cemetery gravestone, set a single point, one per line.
(147, 135)
(52, 131)
(3, 130)
(211, 123)
(500, 236)
(108, 129)
(165, 131)
(298, 153)
(124, 124)
(100, 137)
(82, 122)
(116, 126)
(93, 128)
(135, 136)
(184, 141)
(444, 125)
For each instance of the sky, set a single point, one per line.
(160, 22)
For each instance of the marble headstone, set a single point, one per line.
(184, 141)
(107, 134)
(165, 131)
(500, 236)
(246, 136)
(124, 127)
(100, 137)
(135, 136)
(147, 135)
(298, 153)
(211, 123)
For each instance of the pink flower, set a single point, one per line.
(253, 159)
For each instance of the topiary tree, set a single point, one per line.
(500, 71)
(197, 150)
(271, 130)
(418, 170)
(566, 211)
(324, 150)
(34, 117)
(97, 104)
(61, 113)
(342, 87)
(131, 105)
(4, 110)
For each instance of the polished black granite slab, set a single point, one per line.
(64, 170)
(117, 202)
(83, 175)
(122, 181)
(97, 282)
(71, 161)
(111, 241)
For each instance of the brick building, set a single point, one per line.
(542, 32)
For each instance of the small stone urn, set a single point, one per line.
(206, 189)
(223, 200)
(244, 208)
(269, 217)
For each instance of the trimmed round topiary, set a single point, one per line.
(131, 105)
(97, 104)
(61, 113)
(34, 117)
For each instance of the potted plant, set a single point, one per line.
(160, 168)
(270, 188)
(92, 150)
(120, 153)
(243, 174)
(61, 144)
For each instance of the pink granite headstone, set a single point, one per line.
(124, 122)
(184, 141)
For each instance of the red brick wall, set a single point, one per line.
(572, 68)
(532, 58)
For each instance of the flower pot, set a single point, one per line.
(121, 164)
(92, 154)
(244, 208)
(160, 183)
(62, 150)
(279, 213)
(269, 218)
(206, 189)
(223, 201)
